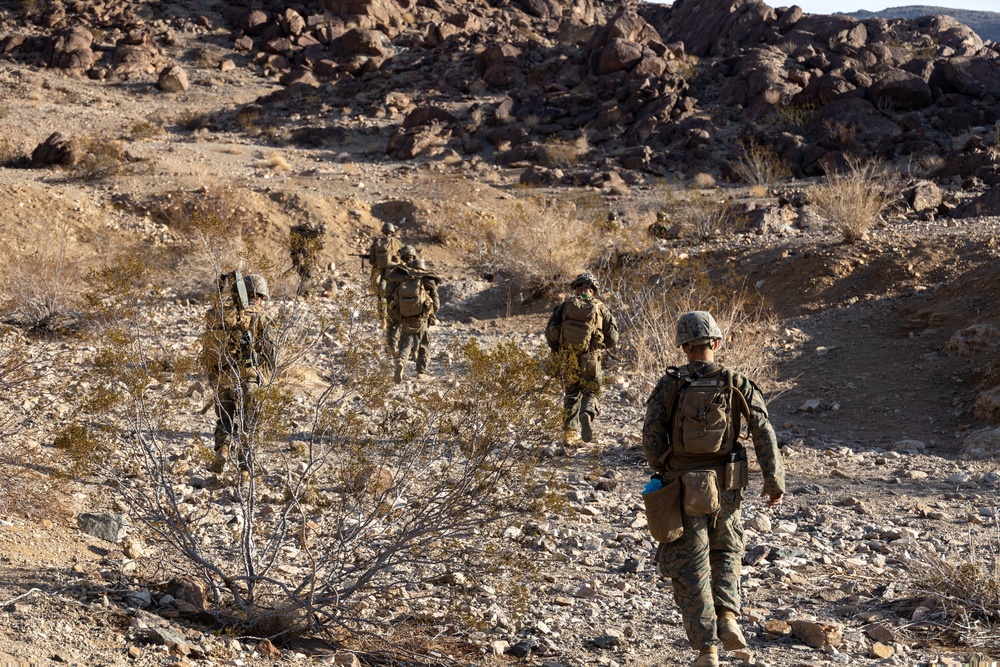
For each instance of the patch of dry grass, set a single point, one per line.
(854, 199)
(958, 593)
(759, 165)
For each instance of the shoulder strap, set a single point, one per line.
(739, 405)
(679, 381)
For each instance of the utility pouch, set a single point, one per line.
(736, 475)
(663, 512)
(701, 492)
(590, 364)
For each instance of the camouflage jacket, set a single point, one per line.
(393, 248)
(656, 432)
(238, 346)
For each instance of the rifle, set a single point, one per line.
(363, 257)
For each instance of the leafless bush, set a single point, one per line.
(370, 493)
(649, 290)
(759, 165)
(562, 153)
(212, 227)
(854, 199)
(21, 488)
(958, 593)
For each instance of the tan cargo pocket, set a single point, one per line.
(590, 365)
(701, 492)
(663, 512)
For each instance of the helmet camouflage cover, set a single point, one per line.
(585, 279)
(408, 252)
(256, 284)
(697, 327)
(388, 228)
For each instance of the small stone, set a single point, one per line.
(881, 651)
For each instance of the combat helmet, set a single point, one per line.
(585, 279)
(408, 252)
(697, 328)
(257, 284)
(420, 264)
(388, 228)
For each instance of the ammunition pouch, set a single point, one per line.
(736, 475)
(701, 492)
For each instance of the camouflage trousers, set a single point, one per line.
(704, 567)
(410, 345)
(379, 286)
(234, 412)
(583, 394)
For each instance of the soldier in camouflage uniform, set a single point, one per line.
(410, 323)
(583, 327)
(383, 255)
(704, 563)
(240, 355)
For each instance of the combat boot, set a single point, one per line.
(586, 427)
(729, 631)
(398, 377)
(708, 657)
(221, 455)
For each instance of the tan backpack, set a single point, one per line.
(582, 325)
(386, 252)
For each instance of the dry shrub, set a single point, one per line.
(759, 165)
(535, 242)
(561, 153)
(212, 224)
(700, 214)
(275, 162)
(102, 158)
(959, 591)
(854, 199)
(10, 154)
(21, 488)
(703, 181)
(649, 290)
(41, 286)
(145, 129)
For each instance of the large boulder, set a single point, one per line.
(618, 55)
(986, 204)
(173, 79)
(977, 77)
(710, 28)
(70, 49)
(57, 149)
(897, 89)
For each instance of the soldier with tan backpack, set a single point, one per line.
(579, 331)
(383, 255)
(413, 304)
(691, 440)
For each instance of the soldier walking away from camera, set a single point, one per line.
(383, 255)
(305, 243)
(413, 307)
(582, 327)
(394, 278)
(691, 438)
(240, 356)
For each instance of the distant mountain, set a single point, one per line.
(986, 24)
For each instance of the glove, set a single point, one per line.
(432, 320)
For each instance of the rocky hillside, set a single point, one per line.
(986, 24)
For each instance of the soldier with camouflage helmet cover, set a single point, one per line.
(691, 438)
(413, 305)
(383, 255)
(581, 328)
(240, 355)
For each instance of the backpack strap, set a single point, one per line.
(739, 406)
(679, 382)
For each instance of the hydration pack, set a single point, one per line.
(582, 325)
